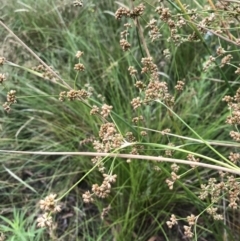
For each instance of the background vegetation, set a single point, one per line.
(141, 201)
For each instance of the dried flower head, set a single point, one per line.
(45, 220)
(49, 204)
(187, 231)
(78, 3)
(226, 60)
(87, 197)
(173, 221)
(2, 60)
(94, 110)
(11, 97)
(6, 107)
(106, 109)
(179, 86)
(132, 71)
(136, 102)
(62, 95)
(79, 67)
(79, 54)
(125, 44)
(105, 211)
(77, 94)
(2, 78)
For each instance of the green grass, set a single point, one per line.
(140, 200)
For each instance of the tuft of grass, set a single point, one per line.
(141, 202)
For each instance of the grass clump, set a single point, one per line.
(138, 86)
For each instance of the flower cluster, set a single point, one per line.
(11, 99)
(49, 206)
(101, 191)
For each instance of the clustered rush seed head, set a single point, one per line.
(101, 191)
(213, 212)
(49, 206)
(140, 85)
(137, 119)
(74, 95)
(44, 220)
(2, 60)
(173, 221)
(166, 53)
(2, 78)
(11, 99)
(46, 72)
(148, 65)
(105, 212)
(226, 60)
(132, 71)
(87, 197)
(125, 45)
(230, 187)
(187, 231)
(234, 118)
(234, 157)
(154, 32)
(164, 13)
(220, 51)
(135, 12)
(109, 138)
(179, 86)
(78, 3)
(192, 158)
(79, 54)
(136, 102)
(79, 67)
(106, 109)
(209, 63)
(94, 110)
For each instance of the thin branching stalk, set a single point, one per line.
(128, 156)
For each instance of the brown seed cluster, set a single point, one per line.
(192, 158)
(2, 60)
(234, 118)
(78, 3)
(179, 86)
(170, 181)
(49, 206)
(11, 99)
(79, 67)
(132, 71)
(214, 189)
(2, 78)
(105, 212)
(154, 31)
(135, 12)
(74, 95)
(173, 221)
(137, 119)
(106, 109)
(234, 157)
(109, 138)
(101, 191)
(191, 220)
(226, 60)
(47, 73)
(155, 89)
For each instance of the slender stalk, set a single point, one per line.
(33, 54)
(128, 156)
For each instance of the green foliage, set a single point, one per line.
(141, 201)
